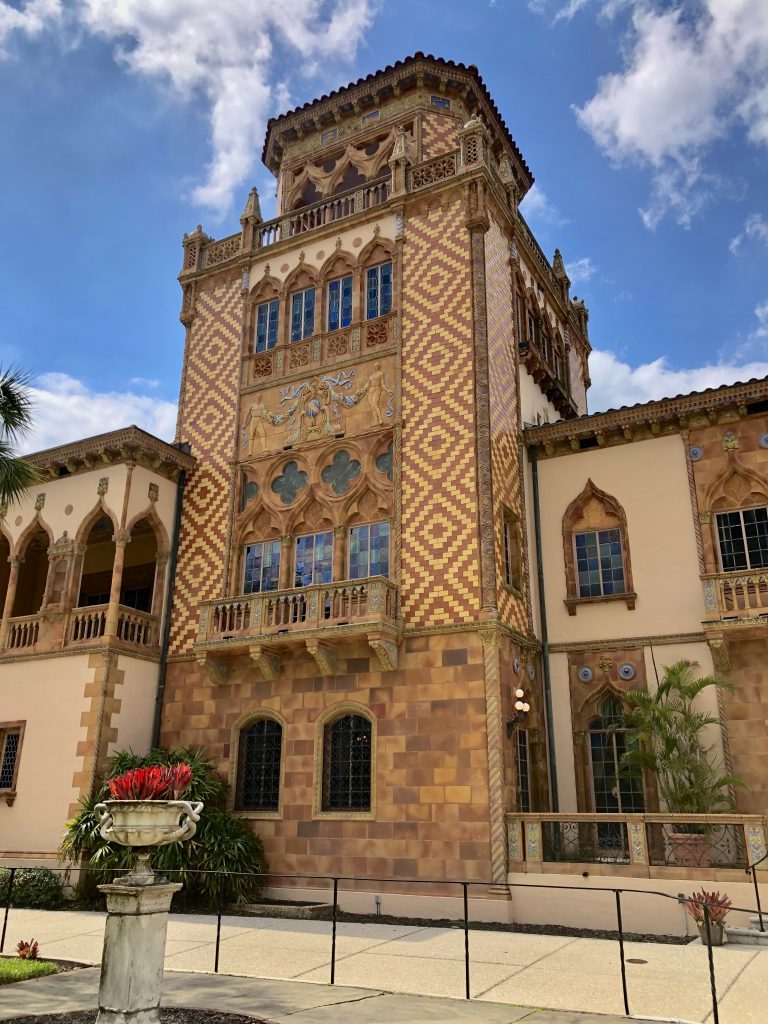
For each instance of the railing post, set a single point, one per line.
(218, 927)
(710, 958)
(333, 932)
(8, 895)
(621, 951)
(466, 941)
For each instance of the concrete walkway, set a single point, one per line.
(281, 1002)
(553, 972)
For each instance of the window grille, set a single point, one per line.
(262, 567)
(369, 550)
(314, 559)
(512, 559)
(302, 314)
(267, 320)
(523, 772)
(347, 764)
(10, 748)
(743, 538)
(340, 303)
(378, 290)
(258, 766)
(599, 563)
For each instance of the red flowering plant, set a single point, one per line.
(718, 905)
(158, 782)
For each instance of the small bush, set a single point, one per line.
(33, 887)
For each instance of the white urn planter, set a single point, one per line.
(131, 980)
(145, 825)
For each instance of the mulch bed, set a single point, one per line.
(175, 1015)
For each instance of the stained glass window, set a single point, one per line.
(258, 766)
(347, 764)
(743, 537)
(600, 563)
(314, 559)
(369, 551)
(384, 461)
(340, 303)
(341, 471)
(523, 772)
(267, 319)
(262, 567)
(290, 482)
(10, 743)
(302, 314)
(378, 290)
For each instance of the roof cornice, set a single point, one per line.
(649, 419)
(131, 444)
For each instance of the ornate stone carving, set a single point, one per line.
(720, 657)
(153, 493)
(324, 656)
(385, 651)
(215, 668)
(39, 502)
(103, 486)
(730, 442)
(262, 366)
(267, 663)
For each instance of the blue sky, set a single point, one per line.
(126, 122)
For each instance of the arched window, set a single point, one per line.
(347, 764)
(258, 766)
(607, 745)
(596, 550)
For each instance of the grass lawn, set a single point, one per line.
(19, 970)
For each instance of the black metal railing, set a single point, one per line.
(696, 846)
(578, 842)
(750, 870)
(462, 887)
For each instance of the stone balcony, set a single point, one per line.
(735, 605)
(49, 631)
(317, 619)
(551, 382)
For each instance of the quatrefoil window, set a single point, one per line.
(249, 492)
(384, 462)
(289, 483)
(340, 472)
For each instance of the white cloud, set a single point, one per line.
(145, 382)
(223, 52)
(65, 409)
(755, 228)
(616, 383)
(539, 209)
(693, 73)
(761, 312)
(580, 270)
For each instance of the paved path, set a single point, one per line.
(553, 972)
(282, 1002)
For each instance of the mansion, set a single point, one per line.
(391, 574)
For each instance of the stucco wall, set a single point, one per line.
(136, 693)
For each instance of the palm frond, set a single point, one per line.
(15, 404)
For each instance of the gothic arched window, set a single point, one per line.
(258, 766)
(347, 759)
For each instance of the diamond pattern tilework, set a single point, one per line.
(440, 573)
(438, 135)
(210, 403)
(504, 425)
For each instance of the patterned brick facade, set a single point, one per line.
(438, 134)
(207, 420)
(440, 580)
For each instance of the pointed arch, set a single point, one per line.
(735, 487)
(35, 524)
(304, 275)
(312, 516)
(267, 287)
(340, 262)
(151, 515)
(34, 570)
(596, 550)
(367, 506)
(378, 250)
(99, 511)
(259, 523)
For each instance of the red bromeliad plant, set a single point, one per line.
(27, 950)
(717, 904)
(159, 782)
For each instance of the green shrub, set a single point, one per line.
(33, 887)
(223, 842)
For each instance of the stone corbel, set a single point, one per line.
(215, 668)
(385, 651)
(324, 655)
(721, 659)
(267, 662)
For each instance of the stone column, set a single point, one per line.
(134, 951)
(490, 639)
(10, 596)
(121, 539)
(339, 571)
(286, 562)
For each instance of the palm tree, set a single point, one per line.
(664, 736)
(16, 475)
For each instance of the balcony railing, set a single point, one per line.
(279, 613)
(81, 626)
(736, 595)
(299, 356)
(638, 842)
